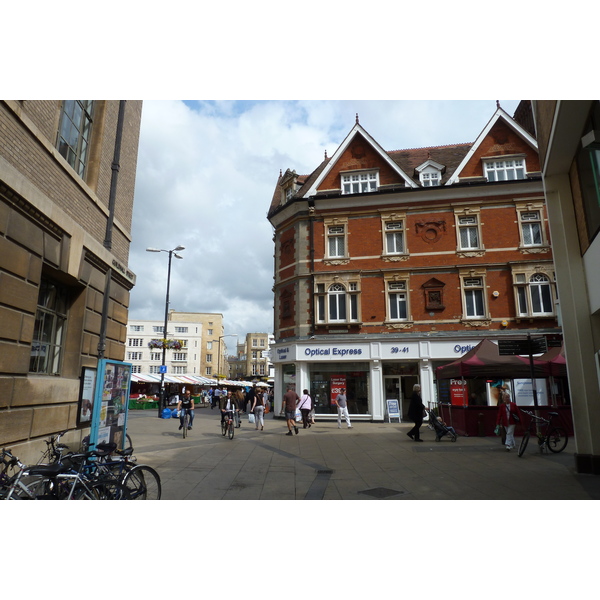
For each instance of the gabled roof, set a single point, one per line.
(500, 114)
(355, 131)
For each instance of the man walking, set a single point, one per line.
(342, 407)
(290, 400)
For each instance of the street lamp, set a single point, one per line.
(219, 359)
(171, 253)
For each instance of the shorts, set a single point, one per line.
(290, 414)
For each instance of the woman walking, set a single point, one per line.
(508, 416)
(305, 405)
(258, 408)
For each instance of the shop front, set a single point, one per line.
(371, 372)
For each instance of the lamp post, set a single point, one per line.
(219, 359)
(171, 253)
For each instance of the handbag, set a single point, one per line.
(251, 418)
(498, 430)
(267, 409)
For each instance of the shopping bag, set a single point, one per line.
(251, 418)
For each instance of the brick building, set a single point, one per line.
(67, 175)
(391, 263)
(569, 138)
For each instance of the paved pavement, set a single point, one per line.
(371, 461)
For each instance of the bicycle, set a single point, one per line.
(227, 426)
(555, 438)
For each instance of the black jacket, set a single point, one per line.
(415, 408)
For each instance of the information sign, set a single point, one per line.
(393, 409)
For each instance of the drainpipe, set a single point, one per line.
(311, 252)
(109, 227)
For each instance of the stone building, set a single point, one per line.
(67, 175)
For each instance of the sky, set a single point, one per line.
(206, 175)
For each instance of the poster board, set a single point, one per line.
(111, 400)
(393, 409)
(87, 388)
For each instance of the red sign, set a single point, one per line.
(338, 385)
(458, 392)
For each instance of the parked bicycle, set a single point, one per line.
(227, 425)
(549, 436)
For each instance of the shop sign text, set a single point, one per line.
(332, 351)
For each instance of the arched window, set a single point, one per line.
(541, 294)
(337, 303)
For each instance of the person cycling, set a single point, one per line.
(186, 405)
(228, 404)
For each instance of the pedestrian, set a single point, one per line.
(258, 408)
(416, 412)
(186, 405)
(508, 416)
(305, 406)
(290, 400)
(249, 399)
(342, 408)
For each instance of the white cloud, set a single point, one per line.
(206, 176)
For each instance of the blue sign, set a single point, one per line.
(393, 409)
(162, 369)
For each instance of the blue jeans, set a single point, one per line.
(189, 411)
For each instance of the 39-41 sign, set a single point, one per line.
(399, 350)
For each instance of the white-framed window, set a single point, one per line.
(179, 356)
(209, 345)
(473, 296)
(430, 179)
(136, 368)
(210, 332)
(262, 343)
(134, 356)
(154, 369)
(394, 237)
(209, 370)
(209, 357)
(336, 241)
(157, 328)
(254, 342)
(179, 370)
(360, 183)
(397, 300)
(531, 227)
(337, 302)
(181, 329)
(468, 232)
(136, 342)
(136, 328)
(534, 294)
(507, 169)
(156, 356)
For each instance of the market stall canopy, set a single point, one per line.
(556, 361)
(153, 378)
(485, 361)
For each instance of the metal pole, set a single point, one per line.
(162, 402)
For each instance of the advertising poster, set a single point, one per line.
(87, 387)
(458, 392)
(523, 394)
(338, 384)
(111, 403)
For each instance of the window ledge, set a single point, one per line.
(394, 257)
(470, 253)
(336, 261)
(471, 322)
(534, 249)
(399, 324)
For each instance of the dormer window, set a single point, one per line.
(430, 179)
(507, 169)
(430, 173)
(360, 183)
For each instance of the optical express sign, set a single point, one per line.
(379, 350)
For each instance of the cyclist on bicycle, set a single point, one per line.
(186, 405)
(228, 404)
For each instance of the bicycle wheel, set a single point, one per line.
(557, 440)
(231, 429)
(82, 492)
(110, 490)
(186, 420)
(523, 444)
(223, 428)
(143, 483)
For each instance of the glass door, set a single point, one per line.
(393, 391)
